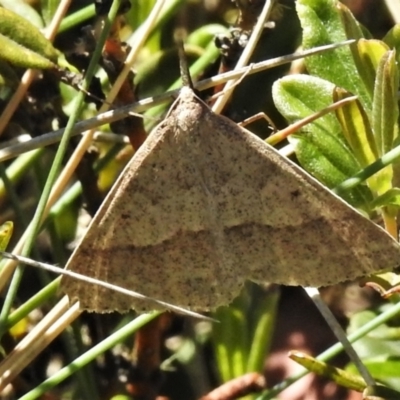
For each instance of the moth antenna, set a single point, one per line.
(183, 63)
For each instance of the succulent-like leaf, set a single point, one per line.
(20, 56)
(22, 32)
(385, 106)
(322, 24)
(367, 55)
(320, 147)
(6, 231)
(356, 129)
(340, 376)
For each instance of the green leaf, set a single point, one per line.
(6, 231)
(321, 21)
(49, 7)
(20, 56)
(26, 35)
(23, 45)
(384, 370)
(351, 26)
(321, 147)
(385, 105)
(264, 317)
(356, 129)
(385, 114)
(367, 55)
(355, 31)
(231, 342)
(372, 346)
(389, 198)
(340, 376)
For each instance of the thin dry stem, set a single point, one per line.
(315, 296)
(245, 57)
(61, 316)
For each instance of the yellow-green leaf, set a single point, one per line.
(20, 56)
(338, 375)
(21, 31)
(6, 231)
(385, 110)
(231, 344)
(356, 129)
(367, 57)
(390, 198)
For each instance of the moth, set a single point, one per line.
(203, 206)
